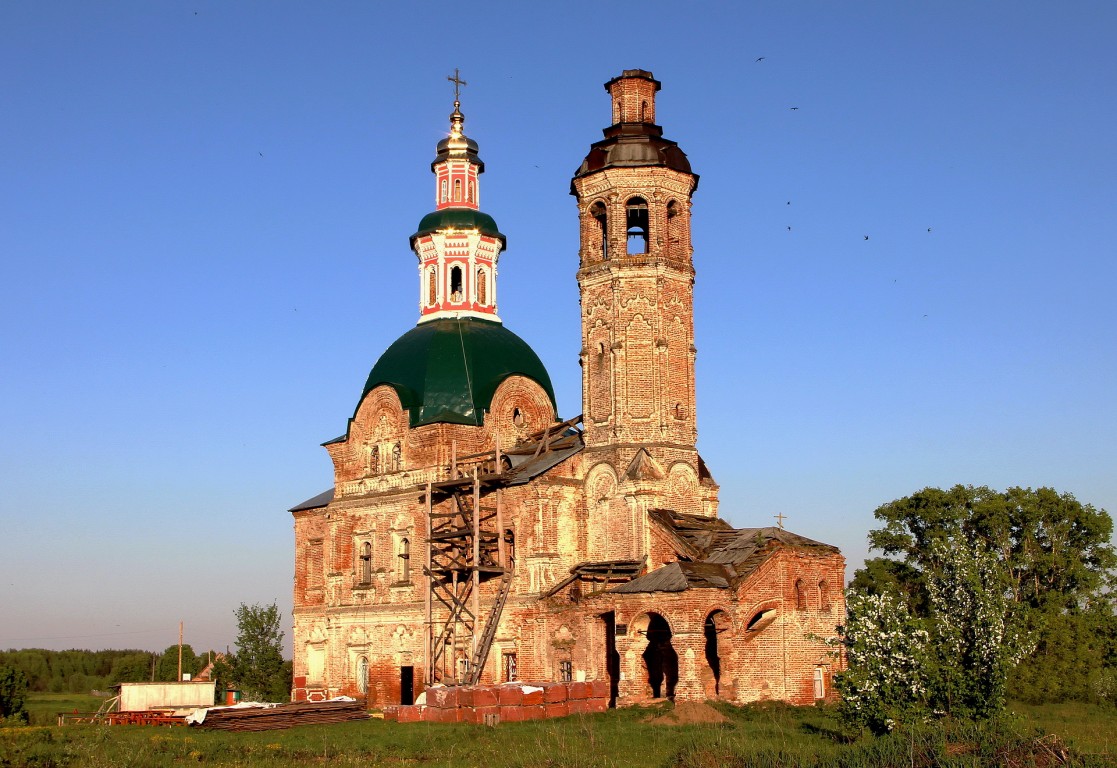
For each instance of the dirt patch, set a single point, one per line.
(690, 713)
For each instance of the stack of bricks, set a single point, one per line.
(507, 703)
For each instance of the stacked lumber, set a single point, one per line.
(283, 716)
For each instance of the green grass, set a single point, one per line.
(757, 736)
(1089, 727)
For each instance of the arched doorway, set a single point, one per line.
(660, 658)
(716, 623)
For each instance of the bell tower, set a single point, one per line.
(636, 280)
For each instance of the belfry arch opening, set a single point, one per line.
(636, 225)
(601, 227)
(661, 661)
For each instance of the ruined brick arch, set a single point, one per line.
(659, 658)
(719, 654)
(759, 616)
(519, 408)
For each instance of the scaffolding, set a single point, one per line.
(468, 545)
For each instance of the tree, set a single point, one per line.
(13, 688)
(134, 667)
(954, 660)
(166, 669)
(1053, 553)
(977, 633)
(257, 666)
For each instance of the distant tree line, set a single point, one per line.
(81, 671)
(257, 668)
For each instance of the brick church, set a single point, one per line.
(474, 536)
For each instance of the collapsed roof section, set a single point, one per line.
(713, 553)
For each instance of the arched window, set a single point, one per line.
(636, 225)
(456, 284)
(823, 596)
(457, 190)
(472, 192)
(643, 111)
(601, 236)
(403, 564)
(800, 595)
(366, 563)
(482, 287)
(432, 287)
(362, 675)
(444, 196)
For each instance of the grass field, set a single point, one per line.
(43, 708)
(753, 736)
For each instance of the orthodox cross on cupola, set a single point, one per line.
(457, 245)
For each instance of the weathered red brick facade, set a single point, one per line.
(617, 566)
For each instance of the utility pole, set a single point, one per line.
(179, 678)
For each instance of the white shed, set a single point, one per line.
(142, 697)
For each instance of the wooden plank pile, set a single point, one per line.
(283, 716)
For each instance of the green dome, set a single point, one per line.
(447, 370)
(458, 218)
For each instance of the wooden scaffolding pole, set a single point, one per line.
(476, 564)
(430, 595)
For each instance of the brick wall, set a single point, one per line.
(508, 703)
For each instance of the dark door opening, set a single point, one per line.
(407, 685)
(712, 658)
(612, 657)
(660, 658)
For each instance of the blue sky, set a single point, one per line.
(204, 213)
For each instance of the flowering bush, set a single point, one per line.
(955, 661)
(977, 638)
(885, 681)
